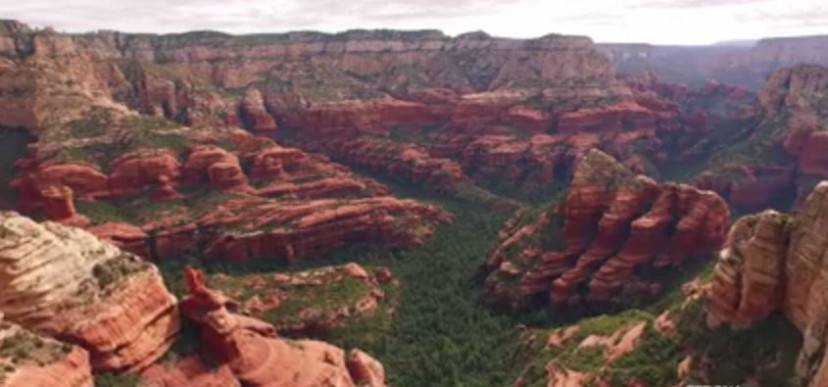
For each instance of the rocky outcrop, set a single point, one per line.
(189, 372)
(30, 360)
(408, 162)
(611, 226)
(263, 228)
(59, 206)
(309, 302)
(66, 283)
(288, 204)
(798, 93)
(256, 357)
(750, 187)
(774, 262)
(253, 113)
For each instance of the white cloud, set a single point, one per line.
(656, 21)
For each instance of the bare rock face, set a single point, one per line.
(775, 262)
(189, 372)
(783, 154)
(611, 226)
(59, 206)
(30, 360)
(253, 113)
(256, 357)
(408, 162)
(798, 91)
(66, 283)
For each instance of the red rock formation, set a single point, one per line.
(611, 225)
(189, 372)
(749, 187)
(85, 181)
(610, 118)
(249, 348)
(59, 206)
(774, 262)
(165, 190)
(220, 167)
(109, 302)
(30, 360)
(403, 161)
(253, 112)
(135, 171)
(316, 227)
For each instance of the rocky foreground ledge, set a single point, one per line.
(73, 304)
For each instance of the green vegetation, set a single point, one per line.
(24, 347)
(114, 269)
(302, 303)
(767, 351)
(108, 138)
(92, 125)
(441, 332)
(141, 209)
(99, 211)
(13, 144)
(117, 380)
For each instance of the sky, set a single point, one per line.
(646, 21)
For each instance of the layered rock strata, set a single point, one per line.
(774, 262)
(256, 357)
(596, 245)
(66, 283)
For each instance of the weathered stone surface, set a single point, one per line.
(774, 262)
(611, 225)
(59, 206)
(253, 112)
(256, 357)
(189, 372)
(66, 283)
(31, 360)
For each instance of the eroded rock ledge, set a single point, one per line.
(248, 351)
(66, 283)
(775, 262)
(601, 242)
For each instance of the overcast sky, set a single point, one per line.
(654, 21)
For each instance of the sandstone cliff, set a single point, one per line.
(774, 263)
(779, 158)
(67, 283)
(741, 64)
(597, 245)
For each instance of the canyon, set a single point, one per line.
(211, 209)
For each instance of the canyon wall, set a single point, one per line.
(775, 262)
(745, 65)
